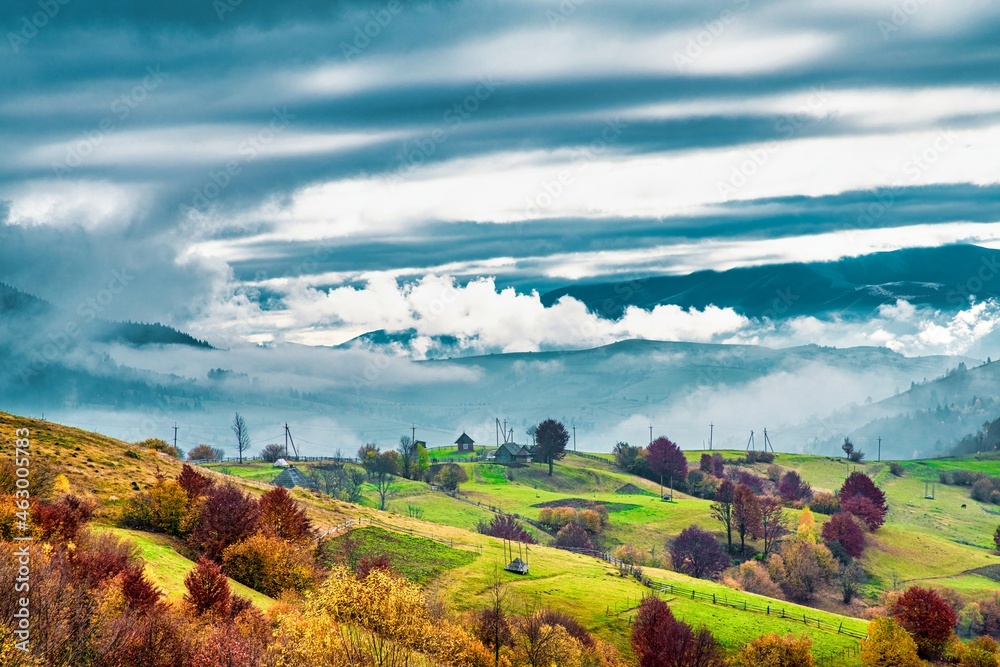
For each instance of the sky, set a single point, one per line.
(306, 171)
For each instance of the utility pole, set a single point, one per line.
(286, 440)
(880, 449)
(413, 433)
(574, 438)
(175, 435)
(651, 442)
(711, 433)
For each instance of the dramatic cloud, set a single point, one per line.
(309, 171)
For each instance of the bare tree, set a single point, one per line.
(407, 449)
(242, 432)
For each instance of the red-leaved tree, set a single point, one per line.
(844, 530)
(660, 640)
(665, 458)
(746, 514)
(792, 488)
(227, 516)
(697, 553)
(572, 536)
(857, 488)
(505, 526)
(282, 517)
(193, 482)
(927, 617)
(208, 588)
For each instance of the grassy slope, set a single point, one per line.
(166, 567)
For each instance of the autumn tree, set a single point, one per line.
(269, 564)
(572, 536)
(722, 509)
(242, 433)
(851, 576)
(227, 516)
(282, 517)
(63, 519)
(807, 526)
(408, 454)
(889, 645)
(697, 553)
(450, 476)
(844, 531)
(660, 640)
(861, 497)
(746, 514)
(207, 588)
(773, 523)
(193, 482)
(551, 437)
(204, 453)
(996, 538)
(793, 488)
(666, 460)
(927, 617)
(493, 625)
(629, 458)
(801, 569)
(848, 448)
(505, 526)
(774, 651)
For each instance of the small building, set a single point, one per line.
(291, 477)
(281, 463)
(465, 444)
(510, 453)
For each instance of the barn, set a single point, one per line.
(465, 444)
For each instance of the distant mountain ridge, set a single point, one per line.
(943, 277)
(22, 311)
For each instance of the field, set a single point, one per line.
(930, 541)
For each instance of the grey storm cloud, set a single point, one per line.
(152, 126)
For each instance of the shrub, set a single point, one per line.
(505, 526)
(897, 469)
(630, 555)
(268, 564)
(825, 503)
(138, 591)
(752, 577)
(571, 625)
(981, 652)
(927, 617)
(845, 531)
(205, 453)
(160, 446)
(774, 651)
(272, 453)
(697, 553)
(759, 457)
(792, 488)
(61, 520)
(888, 645)
(207, 588)
(705, 464)
(996, 538)
(572, 536)
(660, 640)
(750, 480)
(801, 569)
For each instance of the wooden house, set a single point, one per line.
(465, 444)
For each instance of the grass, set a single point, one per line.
(416, 558)
(166, 567)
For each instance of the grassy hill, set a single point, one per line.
(929, 541)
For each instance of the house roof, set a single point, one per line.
(464, 440)
(291, 477)
(514, 449)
